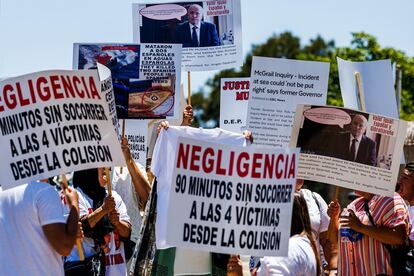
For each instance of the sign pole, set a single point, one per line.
(189, 88)
(64, 186)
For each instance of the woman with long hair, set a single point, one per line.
(303, 257)
(105, 223)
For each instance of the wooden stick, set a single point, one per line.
(360, 91)
(64, 185)
(122, 136)
(108, 181)
(336, 197)
(189, 88)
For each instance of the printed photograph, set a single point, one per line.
(344, 134)
(191, 25)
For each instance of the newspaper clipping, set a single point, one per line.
(145, 77)
(209, 31)
(234, 96)
(233, 200)
(53, 122)
(277, 85)
(348, 148)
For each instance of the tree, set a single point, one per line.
(363, 47)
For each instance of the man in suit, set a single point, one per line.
(194, 32)
(355, 146)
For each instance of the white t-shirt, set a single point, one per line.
(122, 183)
(301, 260)
(318, 215)
(114, 248)
(162, 167)
(24, 248)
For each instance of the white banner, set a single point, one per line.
(377, 86)
(234, 96)
(53, 122)
(276, 87)
(348, 148)
(216, 41)
(232, 200)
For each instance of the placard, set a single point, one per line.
(231, 200)
(216, 41)
(53, 122)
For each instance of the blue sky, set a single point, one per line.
(38, 34)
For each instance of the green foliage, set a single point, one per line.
(363, 47)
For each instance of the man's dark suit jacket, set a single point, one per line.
(367, 152)
(208, 35)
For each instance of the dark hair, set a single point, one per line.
(301, 226)
(88, 181)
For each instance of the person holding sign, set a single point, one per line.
(303, 258)
(375, 221)
(405, 187)
(319, 220)
(356, 146)
(132, 184)
(195, 32)
(105, 223)
(34, 232)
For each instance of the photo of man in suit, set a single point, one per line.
(195, 32)
(355, 146)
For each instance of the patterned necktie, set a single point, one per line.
(194, 39)
(352, 150)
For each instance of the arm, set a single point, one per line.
(93, 218)
(234, 266)
(388, 235)
(333, 228)
(141, 184)
(63, 236)
(123, 227)
(119, 218)
(187, 116)
(330, 249)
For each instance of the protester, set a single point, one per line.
(319, 220)
(405, 188)
(195, 32)
(362, 250)
(303, 257)
(105, 223)
(33, 230)
(132, 184)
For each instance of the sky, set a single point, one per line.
(38, 35)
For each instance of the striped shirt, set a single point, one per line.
(369, 256)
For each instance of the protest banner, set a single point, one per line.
(107, 91)
(234, 96)
(233, 200)
(136, 133)
(217, 41)
(276, 86)
(376, 80)
(348, 148)
(145, 77)
(53, 122)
